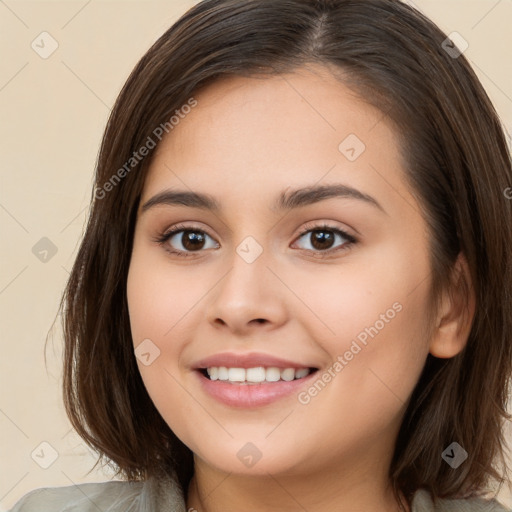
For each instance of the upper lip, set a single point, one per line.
(247, 360)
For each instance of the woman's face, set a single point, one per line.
(280, 157)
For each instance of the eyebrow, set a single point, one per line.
(287, 200)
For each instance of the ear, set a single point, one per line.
(456, 313)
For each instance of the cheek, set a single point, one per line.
(376, 312)
(163, 306)
(160, 301)
(366, 291)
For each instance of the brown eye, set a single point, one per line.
(189, 240)
(323, 239)
(184, 241)
(192, 240)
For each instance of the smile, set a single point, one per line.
(256, 375)
(245, 388)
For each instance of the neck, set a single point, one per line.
(211, 490)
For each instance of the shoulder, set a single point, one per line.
(162, 494)
(423, 502)
(113, 496)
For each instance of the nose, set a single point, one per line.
(249, 297)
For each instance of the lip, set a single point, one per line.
(251, 395)
(248, 360)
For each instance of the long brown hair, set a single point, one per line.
(458, 167)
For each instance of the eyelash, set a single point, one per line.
(164, 237)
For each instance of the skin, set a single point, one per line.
(245, 142)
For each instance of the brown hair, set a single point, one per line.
(458, 166)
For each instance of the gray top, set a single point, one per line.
(167, 496)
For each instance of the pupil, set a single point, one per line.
(322, 239)
(192, 240)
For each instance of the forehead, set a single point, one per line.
(273, 132)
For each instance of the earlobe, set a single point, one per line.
(455, 316)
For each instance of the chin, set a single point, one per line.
(253, 459)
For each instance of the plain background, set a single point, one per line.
(53, 113)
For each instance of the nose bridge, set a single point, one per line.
(249, 290)
(247, 279)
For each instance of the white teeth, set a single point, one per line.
(288, 374)
(213, 373)
(272, 374)
(223, 373)
(236, 374)
(301, 373)
(255, 375)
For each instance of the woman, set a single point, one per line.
(294, 288)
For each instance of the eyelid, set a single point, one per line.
(167, 234)
(331, 252)
(328, 226)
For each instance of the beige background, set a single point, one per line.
(53, 113)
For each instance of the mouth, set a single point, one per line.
(248, 388)
(255, 375)
(248, 380)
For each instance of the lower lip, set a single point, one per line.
(251, 395)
